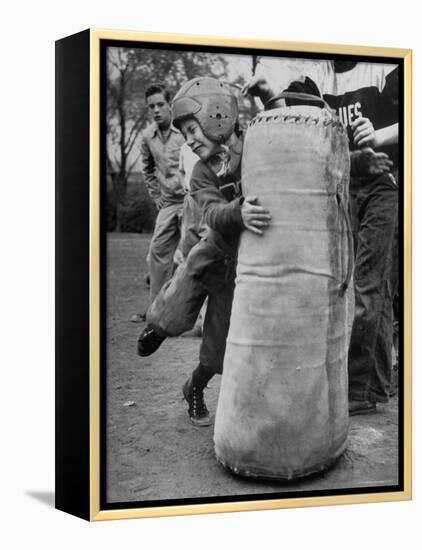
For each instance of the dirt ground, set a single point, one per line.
(153, 450)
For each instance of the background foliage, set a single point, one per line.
(130, 71)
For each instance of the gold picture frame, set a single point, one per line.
(79, 384)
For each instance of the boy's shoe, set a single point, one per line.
(361, 407)
(394, 386)
(198, 412)
(149, 341)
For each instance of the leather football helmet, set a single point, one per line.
(211, 103)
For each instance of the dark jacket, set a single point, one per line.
(220, 201)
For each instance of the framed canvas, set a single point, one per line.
(233, 328)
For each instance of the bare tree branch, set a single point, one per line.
(132, 166)
(133, 135)
(130, 72)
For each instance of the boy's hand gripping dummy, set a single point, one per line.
(283, 404)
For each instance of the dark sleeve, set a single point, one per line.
(389, 100)
(219, 214)
(148, 171)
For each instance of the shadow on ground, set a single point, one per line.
(45, 497)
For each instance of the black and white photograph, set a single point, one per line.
(138, 408)
(251, 275)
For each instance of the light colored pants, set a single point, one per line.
(163, 245)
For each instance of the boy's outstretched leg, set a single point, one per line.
(177, 305)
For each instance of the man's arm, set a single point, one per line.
(148, 171)
(364, 134)
(259, 87)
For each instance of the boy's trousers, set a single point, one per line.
(207, 271)
(374, 205)
(163, 245)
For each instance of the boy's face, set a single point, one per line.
(160, 109)
(194, 136)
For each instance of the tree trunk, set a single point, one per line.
(118, 217)
(121, 188)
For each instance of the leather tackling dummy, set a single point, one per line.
(283, 403)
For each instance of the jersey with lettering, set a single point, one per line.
(367, 90)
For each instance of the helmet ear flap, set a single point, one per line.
(184, 107)
(220, 113)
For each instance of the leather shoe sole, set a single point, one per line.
(361, 407)
(148, 342)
